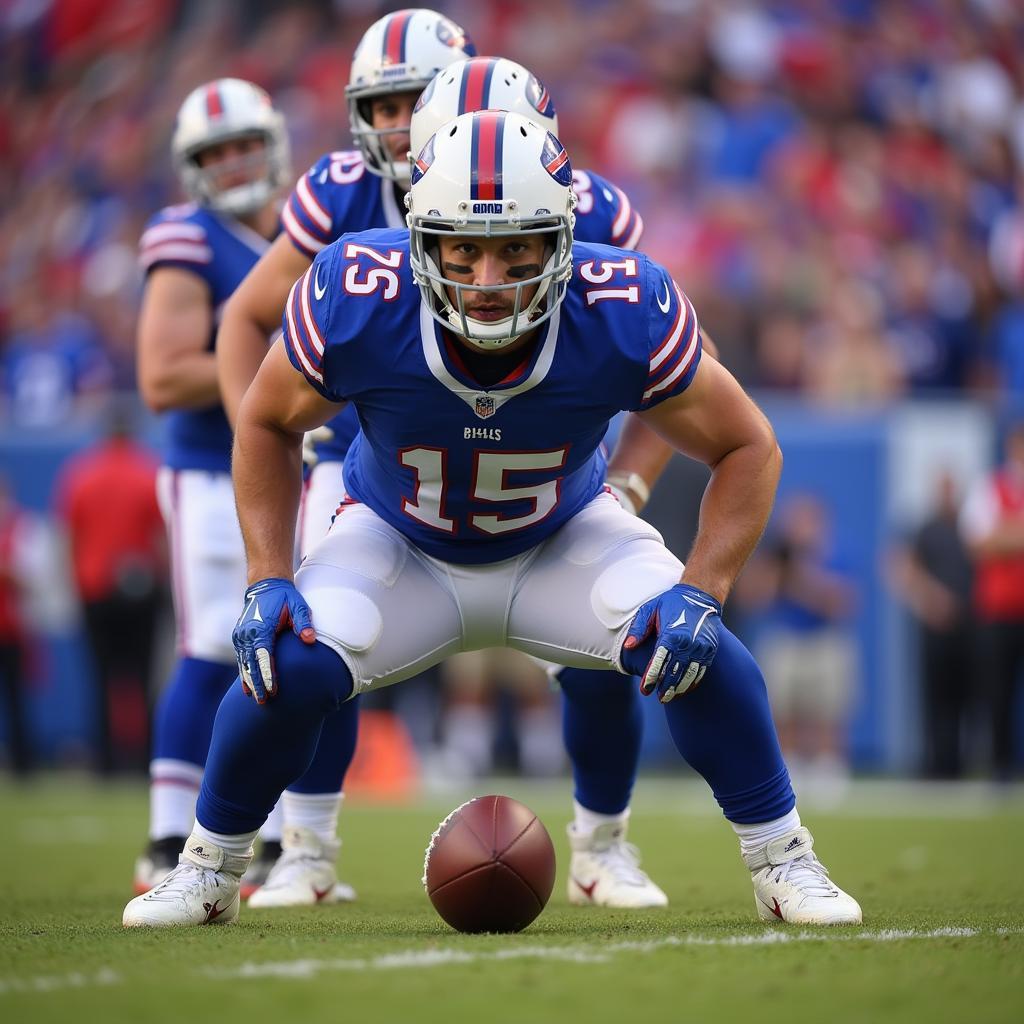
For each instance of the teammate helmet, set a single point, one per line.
(230, 108)
(482, 83)
(491, 173)
(399, 53)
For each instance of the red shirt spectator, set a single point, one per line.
(107, 497)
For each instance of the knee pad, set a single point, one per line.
(626, 584)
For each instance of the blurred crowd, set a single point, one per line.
(836, 183)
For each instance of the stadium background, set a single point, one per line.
(836, 185)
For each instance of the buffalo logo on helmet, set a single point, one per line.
(423, 161)
(425, 96)
(556, 161)
(539, 97)
(484, 406)
(452, 35)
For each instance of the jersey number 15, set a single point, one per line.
(490, 484)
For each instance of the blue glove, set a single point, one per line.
(271, 605)
(686, 622)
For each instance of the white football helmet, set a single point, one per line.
(482, 83)
(399, 53)
(230, 108)
(491, 173)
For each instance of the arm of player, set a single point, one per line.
(267, 470)
(251, 316)
(176, 368)
(714, 422)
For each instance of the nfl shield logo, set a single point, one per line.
(484, 406)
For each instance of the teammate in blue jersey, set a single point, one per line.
(231, 152)
(350, 191)
(343, 191)
(485, 353)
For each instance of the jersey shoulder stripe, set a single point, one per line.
(302, 337)
(308, 240)
(324, 200)
(628, 225)
(175, 235)
(678, 353)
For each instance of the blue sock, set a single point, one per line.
(184, 716)
(334, 752)
(257, 751)
(725, 731)
(602, 725)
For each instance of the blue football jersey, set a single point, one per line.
(471, 473)
(221, 251)
(604, 213)
(335, 196)
(338, 195)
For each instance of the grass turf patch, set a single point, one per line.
(942, 940)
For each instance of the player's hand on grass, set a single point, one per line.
(271, 606)
(685, 622)
(310, 439)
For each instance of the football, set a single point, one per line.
(490, 866)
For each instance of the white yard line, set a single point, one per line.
(418, 959)
(582, 954)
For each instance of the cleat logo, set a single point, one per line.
(587, 890)
(321, 893)
(775, 908)
(793, 844)
(199, 851)
(213, 911)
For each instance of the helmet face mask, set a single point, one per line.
(224, 111)
(453, 193)
(375, 142)
(399, 53)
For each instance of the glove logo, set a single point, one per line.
(682, 651)
(254, 636)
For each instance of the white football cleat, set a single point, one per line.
(792, 885)
(304, 875)
(605, 871)
(258, 871)
(202, 889)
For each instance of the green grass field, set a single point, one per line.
(937, 872)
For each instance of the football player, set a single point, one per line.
(230, 150)
(349, 191)
(485, 316)
(344, 191)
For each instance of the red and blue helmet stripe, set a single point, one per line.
(486, 155)
(396, 32)
(214, 102)
(475, 90)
